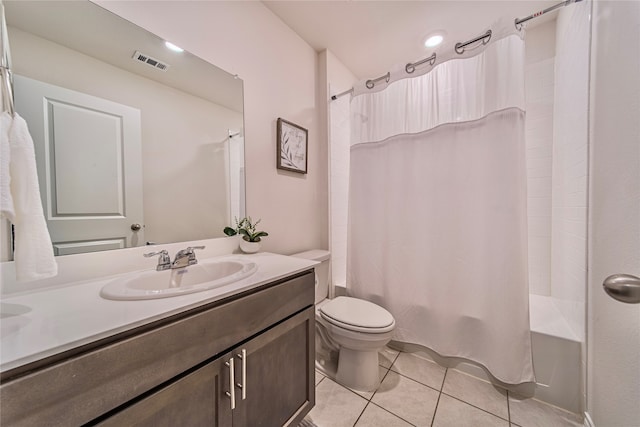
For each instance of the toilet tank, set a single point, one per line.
(322, 270)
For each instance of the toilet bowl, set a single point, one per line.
(349, 332)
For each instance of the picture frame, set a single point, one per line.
(293, 147)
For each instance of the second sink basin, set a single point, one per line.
(168, 283)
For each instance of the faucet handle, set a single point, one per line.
(164, 261)
(150, 254)
(192, 255)
(185, 257)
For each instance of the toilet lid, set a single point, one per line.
(358, 315)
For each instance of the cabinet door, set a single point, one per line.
(278, 378)
(197, 399)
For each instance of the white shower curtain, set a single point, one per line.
(437, 208)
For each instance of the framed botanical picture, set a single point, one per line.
(292, 147)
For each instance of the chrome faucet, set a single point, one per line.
(185, 257)
(164, 261)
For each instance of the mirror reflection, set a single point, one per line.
(137, 142)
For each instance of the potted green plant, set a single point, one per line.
(251, 237)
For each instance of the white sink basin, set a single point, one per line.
(169, 283)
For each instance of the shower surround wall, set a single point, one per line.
(339, 79)
(539, 87)
(570, 166)
(557, 72)
(570, 172)
(557, 83)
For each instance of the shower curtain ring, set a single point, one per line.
(411, 66)
(371, 83)
(517, 24)
(485, 38)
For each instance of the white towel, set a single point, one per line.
(6, 201)
(33, 254)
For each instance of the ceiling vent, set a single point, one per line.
(152, 62)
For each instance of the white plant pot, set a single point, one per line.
(249, 247)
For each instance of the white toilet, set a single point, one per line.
(349, 332)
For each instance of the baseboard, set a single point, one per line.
(588, 422)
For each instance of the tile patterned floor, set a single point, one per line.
(415, 391)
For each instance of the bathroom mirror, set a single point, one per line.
(136, 141)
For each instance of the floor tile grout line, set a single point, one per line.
(351, 390)
(414, 380)
(444, 378)
(376, 391)
(362, 412)
(394, 359)
(393, 413)
(370, 399)
(477, 407)
(508, 419)
(435, 411)
(321, 379)
(381, 380)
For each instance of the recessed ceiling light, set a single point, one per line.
(433, 40)
(173, 47)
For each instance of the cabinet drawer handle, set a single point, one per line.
(232, 392)
(243, 356)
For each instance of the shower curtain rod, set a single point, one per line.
(459, 47)
(334, 97)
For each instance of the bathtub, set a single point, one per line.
(557, 355)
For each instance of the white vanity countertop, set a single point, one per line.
(48, 322)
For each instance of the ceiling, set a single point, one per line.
(369, 37)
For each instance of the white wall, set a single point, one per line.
(539, 85)
(279, 73)
(339, 78)
(184, 162)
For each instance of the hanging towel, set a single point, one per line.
(6, 201)
(33, 252)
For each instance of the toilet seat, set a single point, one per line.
(357, 315)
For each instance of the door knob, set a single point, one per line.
(136, 227)
(623, 287)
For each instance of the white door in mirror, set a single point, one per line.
(153, 284)
(92, 197)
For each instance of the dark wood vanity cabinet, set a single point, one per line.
(277, 363)
(274, 378)
(270, 359)
(193, 400)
